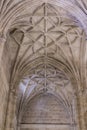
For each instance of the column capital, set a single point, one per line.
(2, 39)
(13, 93)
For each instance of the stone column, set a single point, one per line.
(85, 107)
(4, 87)
(81, 109)
(11, 121)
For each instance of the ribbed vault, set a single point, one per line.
(45, 82)
(47, 47)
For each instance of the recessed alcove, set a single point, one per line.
(45, 112)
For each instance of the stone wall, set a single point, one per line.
(45, 112)
(45, 108)
(45, 127)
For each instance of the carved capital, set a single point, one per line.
(13, 93)
(2, 40)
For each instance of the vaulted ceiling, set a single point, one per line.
(47, 47)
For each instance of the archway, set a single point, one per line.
(54, 82)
